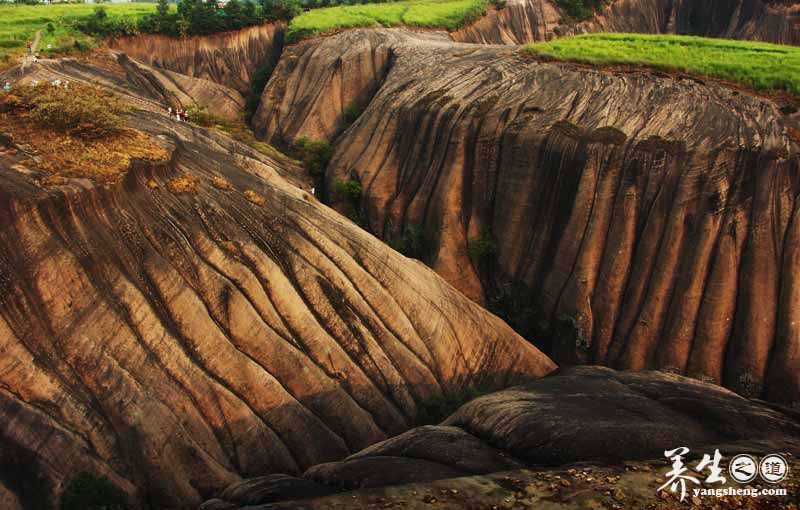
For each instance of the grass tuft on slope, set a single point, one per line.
(449, 14)
(756, 65)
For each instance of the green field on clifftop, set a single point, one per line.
(449, 14)
(756, 65)
(19, 23)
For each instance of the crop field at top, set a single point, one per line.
(755, 65)
(19, 23)
(449, 14)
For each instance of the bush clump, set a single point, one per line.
(415, 242)
(80, 110)
(482, 248)
(89, 492)
(581, 10)
(351, 114)
(348, 190)
(314, 154)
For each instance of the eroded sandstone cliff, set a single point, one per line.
(229, 58)
(759, 20)
(519, 22)
(588, 418)
(641, 220)
(524, 21)
(205, 318)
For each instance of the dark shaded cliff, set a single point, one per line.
(524, 21)
(758, 20)
(204, 319)
(641, 220)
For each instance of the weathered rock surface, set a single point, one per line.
(641, 220)
(525, 21)
(759, 20)
(519, 22)
(579, 416)
(228, 58)
(205, 319)
(317, 80)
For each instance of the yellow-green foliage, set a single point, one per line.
(757, 65)
(19, 23)
(449, 14)
(80, 110)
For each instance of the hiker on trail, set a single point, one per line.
(30, 48)
(169, 111)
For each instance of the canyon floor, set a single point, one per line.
(599, 265)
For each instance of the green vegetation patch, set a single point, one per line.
(581, 9)
(89, 492)
(761, 66)
(58, 24)
(449, 14)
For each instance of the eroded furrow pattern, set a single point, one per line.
(177, 341)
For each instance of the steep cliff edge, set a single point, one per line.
(203, 319)
(228, 58)
(640, 220)
(524, 21)
(758, 20)
(317, 80)
(519, 22)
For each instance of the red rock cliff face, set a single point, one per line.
(520, 22)
(228, 58)
(177, 337)
(651, 222)
(349, 68)
(524, 21)
(758, 20)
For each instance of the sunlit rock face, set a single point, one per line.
(640, 220)
(228, 58)
(205, 318)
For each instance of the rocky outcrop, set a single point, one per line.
(759, 20)
(146, 87)
(581, 416)
(519, 22)
(347, 70)
(204, 319)
(228, 58)
(659, 236)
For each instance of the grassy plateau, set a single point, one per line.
(19, 23)
(449, 14)
(760, 66)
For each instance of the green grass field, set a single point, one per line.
(19, 23)
(756, 65)
(449, 14)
